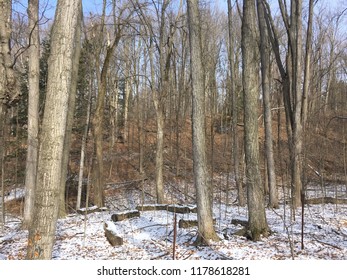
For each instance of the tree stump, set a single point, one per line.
(111, 234)
(120, 216)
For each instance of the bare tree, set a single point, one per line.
(65, 50)
(236, 156)
(98, 119)
(33, 110)
(265, 50)
(201, 181)
(255, 197)
(9, 86)
(292, 83)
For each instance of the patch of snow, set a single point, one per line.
(15, 193)
(151, 235)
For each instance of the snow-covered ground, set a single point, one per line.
(150, 236)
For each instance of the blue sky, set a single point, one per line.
(96, 5)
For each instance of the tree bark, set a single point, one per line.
(265, 74)
(98, 120)
(68, 132)
(83, 151)
(64, 50)
(33, 110)
(255, 197)
(235, 138)
(201, 182)
(9, 86)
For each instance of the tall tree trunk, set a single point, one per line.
(235, 137)
(293, 97)
(98, 120)
(307, 71)
(255, 197)
(33, 110)
(9, 86)
(64, 53)
(265, 74)
(159, 159)
(297, 130)
(68, 132)
(201, 182)
(83, 148)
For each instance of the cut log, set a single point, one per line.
(181, 209)
(124, 215)
(152, 207)
(189, 223)
(89, 210)
(240, 222)
(326, 200)
(111, 235)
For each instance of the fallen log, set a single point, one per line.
(174, 208)
(151, 207)
(326, 200)
(111, 234)
(124, 215)
(240, 222)
(89, 210)
(189, 223)
(181, 209)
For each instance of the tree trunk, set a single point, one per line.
(33, 111)
(201, 182)
(68, 132)
(64, 51)
(297, 139)
(255, 197)
(2, 163)
(235, 138)
(265, 73)
(98, 120)
(159, 159)
(83, 150)
(9, 86)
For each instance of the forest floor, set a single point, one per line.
(151, 235)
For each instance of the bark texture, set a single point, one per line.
(64, 49)
(255, 196)
(265, 50)
(33, 110)
(201, 182)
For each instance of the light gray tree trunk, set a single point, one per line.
(65, 45)
(33, 110)
(265, 50)
(201, 180)
(236, 156)
(68, 132)
(83, 149)
(255, 196)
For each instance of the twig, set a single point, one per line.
(325, 243)
(160, 256)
